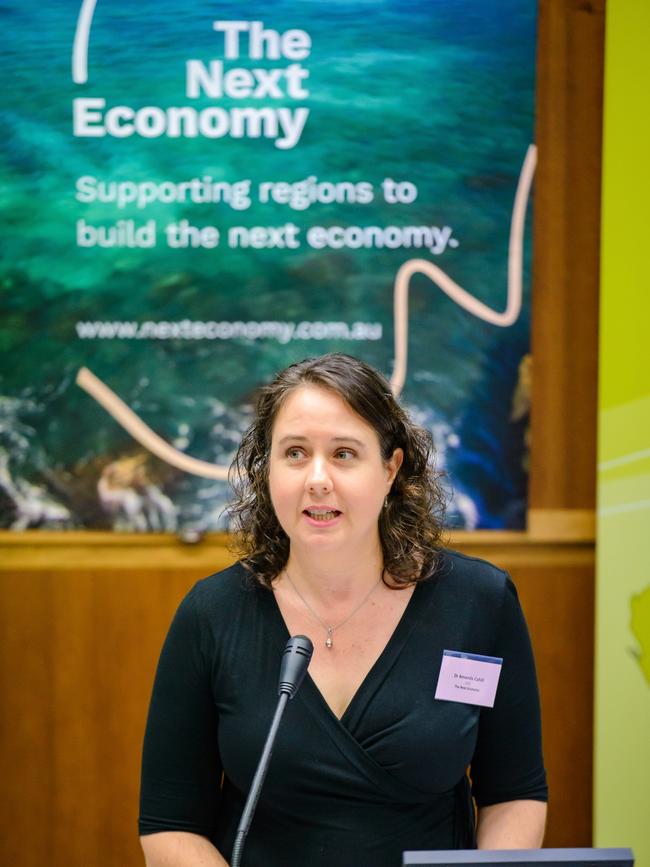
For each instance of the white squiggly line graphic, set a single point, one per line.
(80, 44)
(461, 296)
(141, 432)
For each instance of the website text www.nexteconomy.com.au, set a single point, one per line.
(191, 329)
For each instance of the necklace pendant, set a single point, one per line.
(328, 641)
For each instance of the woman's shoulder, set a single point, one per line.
(222, 594)
(215, 610)
(470, 574)
(473, 591)
(226, 585)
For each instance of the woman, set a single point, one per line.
(336, 511)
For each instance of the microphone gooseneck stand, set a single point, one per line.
(295, 659)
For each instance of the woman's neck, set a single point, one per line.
(334, 578)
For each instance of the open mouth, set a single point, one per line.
(322, 514)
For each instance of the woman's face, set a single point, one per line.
(327, 477)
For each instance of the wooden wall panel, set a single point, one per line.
(78, 656)
(566, 254)
(26, 737)
(559, 606)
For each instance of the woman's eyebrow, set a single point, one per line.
(348, 440)
(301, 439)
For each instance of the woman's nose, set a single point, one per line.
(318, 480)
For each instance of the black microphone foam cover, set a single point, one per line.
(295, 659)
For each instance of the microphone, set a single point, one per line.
(293, 668)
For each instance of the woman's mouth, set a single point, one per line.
(322, 514)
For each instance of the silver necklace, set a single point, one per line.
(329, 641)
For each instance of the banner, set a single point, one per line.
(196, 195)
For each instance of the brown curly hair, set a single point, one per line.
(410, 526)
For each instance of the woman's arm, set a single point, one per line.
(508, 776)
(180, 849)
(181, 766)
(511, 825)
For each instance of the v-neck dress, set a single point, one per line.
(390, 775)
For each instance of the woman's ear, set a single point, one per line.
(393, 464)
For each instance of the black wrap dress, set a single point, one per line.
(389, 775)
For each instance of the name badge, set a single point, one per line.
(468, 678)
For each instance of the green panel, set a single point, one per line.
(625, 301)
(622, 712)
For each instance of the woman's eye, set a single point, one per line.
(294, 454)
(345, 454)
